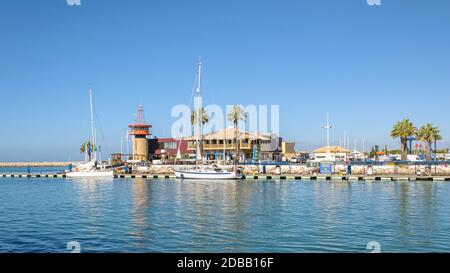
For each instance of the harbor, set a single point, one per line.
(228, 136)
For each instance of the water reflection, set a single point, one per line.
(139, 215)
(139, 211)
(92, 196)
(209, 208)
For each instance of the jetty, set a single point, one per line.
(319, 178)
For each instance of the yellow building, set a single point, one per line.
(337, 153)
(221, 145)
(288, 149)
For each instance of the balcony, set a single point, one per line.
(221, 146)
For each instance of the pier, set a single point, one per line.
(317, 178)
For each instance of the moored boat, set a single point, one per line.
(200, 171)
(210, 172)
(90, 168)
(90, 173)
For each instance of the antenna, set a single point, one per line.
(328, 127)
(140, 119)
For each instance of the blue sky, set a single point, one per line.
(368, 66)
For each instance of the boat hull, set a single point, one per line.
(205, 175)
(99, 174)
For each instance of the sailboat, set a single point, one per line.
(90, 169)
(200, 171)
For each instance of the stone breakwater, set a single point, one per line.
(441, 170)
(36, 164)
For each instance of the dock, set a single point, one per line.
(318, 178)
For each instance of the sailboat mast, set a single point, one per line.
(92, 123)
(199, 118)
(96, 151)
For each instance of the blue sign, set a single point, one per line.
(326, 168)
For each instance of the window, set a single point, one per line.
(167, 145)
(171, 145)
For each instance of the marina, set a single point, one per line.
(223, 135)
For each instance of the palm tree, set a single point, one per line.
(86, 147)
(404, 129)
(237, 114)
(204, 115)
(204, 118)
(429, 134)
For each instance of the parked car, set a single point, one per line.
(416, 158)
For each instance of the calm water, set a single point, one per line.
(39, 215)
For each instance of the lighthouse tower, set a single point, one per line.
(140, 130)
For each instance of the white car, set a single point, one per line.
(415, 158)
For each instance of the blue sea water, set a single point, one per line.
(138, 215)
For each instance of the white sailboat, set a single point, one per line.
(90, 169)
(200, 171)
(210, 172)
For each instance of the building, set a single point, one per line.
(167, 148)
(288, 149)
(221, 145)
(337, 153)
(139, 130)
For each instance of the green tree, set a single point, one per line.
(86, 147)
(236, 115)
(373, 152)
(402, 130)
(429, 133)
(204, 118)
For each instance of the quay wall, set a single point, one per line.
(440, 170)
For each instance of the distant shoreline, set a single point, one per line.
(37, 164)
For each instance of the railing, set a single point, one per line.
(399, 163)
(218, 146)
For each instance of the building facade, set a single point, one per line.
(167, 148)
(221, 145)
(336, 153)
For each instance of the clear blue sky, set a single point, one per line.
(368, 66)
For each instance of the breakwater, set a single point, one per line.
(37, 164)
